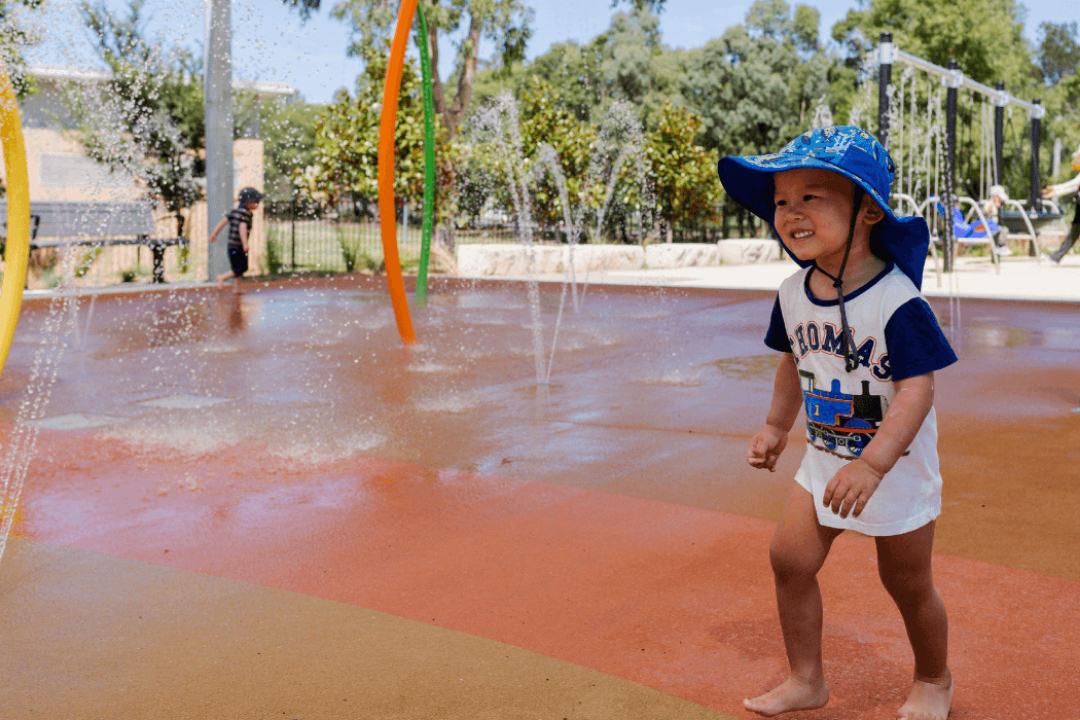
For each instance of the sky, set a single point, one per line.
(271, 44)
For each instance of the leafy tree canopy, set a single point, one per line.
(507, 23)
(756, 85)
(346, 141)
(1059, 50)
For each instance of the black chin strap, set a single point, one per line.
(847, 344)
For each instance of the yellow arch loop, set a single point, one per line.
(17, 254)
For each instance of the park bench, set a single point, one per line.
(97, 224)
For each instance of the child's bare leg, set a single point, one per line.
(223, 277)
(905, 566)
(798, 550)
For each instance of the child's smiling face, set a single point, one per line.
(813, 212)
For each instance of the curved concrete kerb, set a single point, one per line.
(501, 260)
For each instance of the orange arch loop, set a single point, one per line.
(387, 219)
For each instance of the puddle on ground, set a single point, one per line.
(747, 367)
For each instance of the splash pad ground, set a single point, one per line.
(263, 506)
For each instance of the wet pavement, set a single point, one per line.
(306, 488)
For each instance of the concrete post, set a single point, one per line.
(218, 113)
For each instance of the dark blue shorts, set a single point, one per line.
(238, 260)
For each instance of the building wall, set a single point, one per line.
(60, 171)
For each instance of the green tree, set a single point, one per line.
(572, 71)
(1059, 50)
(633, 65)
(288, 133)
(346, 140)
(756, 85)
(1059, 63)
(684, 173)
(547, 119)
(627, 62)
(656, 6)
(506, 23)
(147, 119)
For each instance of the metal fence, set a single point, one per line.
(343, 242)
(297, 240)
(333, 244)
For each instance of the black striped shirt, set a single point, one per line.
(238, 216)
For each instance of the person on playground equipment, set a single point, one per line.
(1067, 188)
(872, 464)
(239, 220)
(975, 229)
(991, 208)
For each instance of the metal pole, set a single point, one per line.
(952, 83)
(886, 57)
(292, 215)
(1036, 186)
(999, 130)
(218, 114)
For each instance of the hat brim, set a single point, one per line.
(749, 181)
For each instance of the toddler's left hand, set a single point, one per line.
(851, 488)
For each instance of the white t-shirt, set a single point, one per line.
(896, 336)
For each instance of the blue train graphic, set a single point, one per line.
(840, 420)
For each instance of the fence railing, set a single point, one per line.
(293, 243)
(333, 244)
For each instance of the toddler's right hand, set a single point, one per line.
(765, 448)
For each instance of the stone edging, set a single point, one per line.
(495, 260)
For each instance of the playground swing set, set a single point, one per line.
(917, 121)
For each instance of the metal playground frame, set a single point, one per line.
(886, 55)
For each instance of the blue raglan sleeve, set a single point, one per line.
(776, 337)
(916, 343)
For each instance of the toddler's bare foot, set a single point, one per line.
(792, 694)
(928, 700)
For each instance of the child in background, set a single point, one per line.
(239, 220)
(992, 212)
(860, 346)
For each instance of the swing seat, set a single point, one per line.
(1014, 220)
(963, 230)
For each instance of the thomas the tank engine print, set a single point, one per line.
(837, 420)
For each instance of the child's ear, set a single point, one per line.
(872, 212)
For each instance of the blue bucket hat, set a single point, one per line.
(849, 151)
